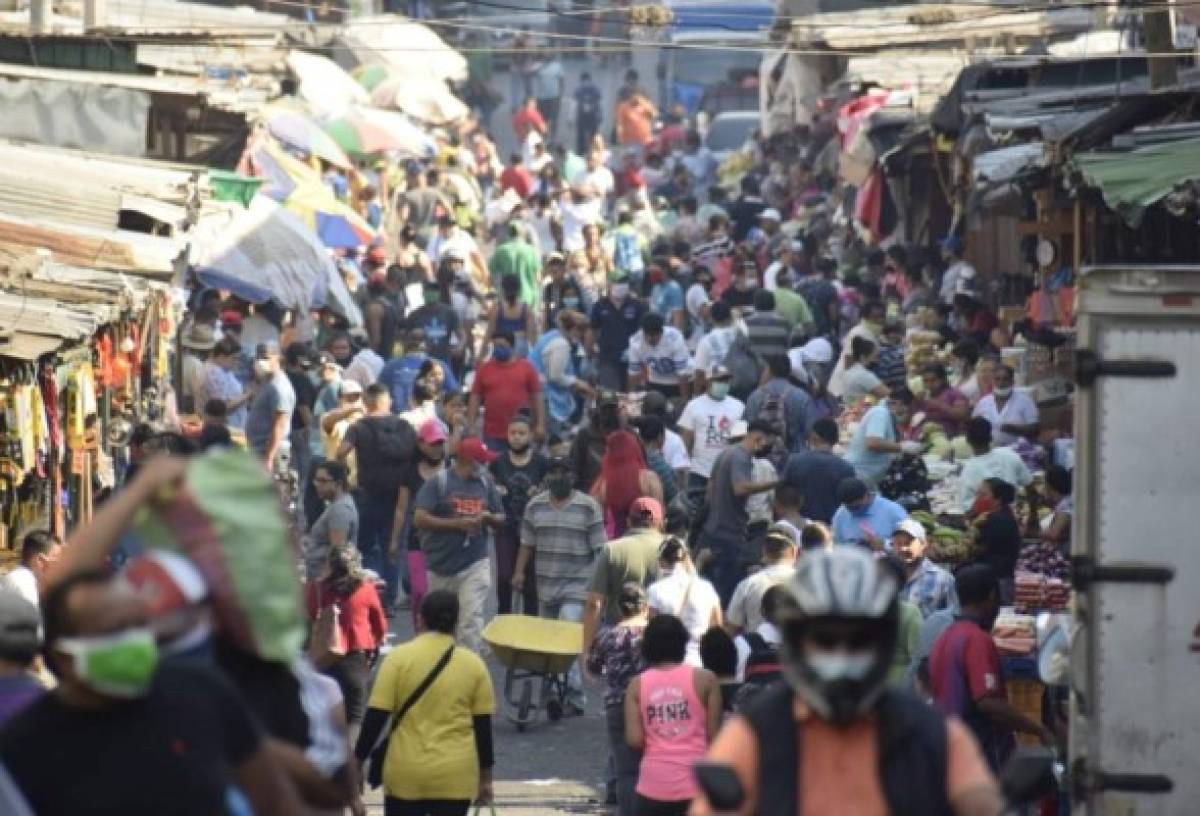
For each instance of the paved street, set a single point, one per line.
(552, 768)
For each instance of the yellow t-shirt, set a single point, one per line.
(432, 753)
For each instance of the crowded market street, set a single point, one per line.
(521, 408)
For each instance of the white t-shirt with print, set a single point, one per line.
(711, 423)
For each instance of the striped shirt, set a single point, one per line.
(565, 541)
(768, 333)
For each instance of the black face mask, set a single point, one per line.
(519, 450)
(560, 486)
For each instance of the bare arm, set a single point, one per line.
(712, 699)
(279, 432)
(635, 737)
(402, 499)
(591, 618)
(745, 489)
(424, 520)
(878, 444)
(1001, 712)
(314, 788)
(266, 785)
(523, 556)
(493, 313)
(90, 546)
(652, 485)
(539, 416)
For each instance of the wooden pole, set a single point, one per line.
(1160, 43)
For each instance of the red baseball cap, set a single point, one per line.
(473, 448)
(432, 432)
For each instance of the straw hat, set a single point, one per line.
(200, 337)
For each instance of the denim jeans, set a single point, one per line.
(472, 586)
(375, 517)
(627, 761)
(726, 569)
(568, 611)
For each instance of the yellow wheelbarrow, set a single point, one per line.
(533, 649)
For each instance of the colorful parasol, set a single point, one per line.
(300, 190)
(301, 133)
(372, 76)
(363, 131)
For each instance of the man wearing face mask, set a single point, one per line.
(731, 486)
(705, 426)
(269, 421)
(865, 518)
(878, 439)
(793, 745)
(615, 319)
(558, 358)
(964, 669)
(504, 386)
(159, 739)
(562, 530)
(1012, 413)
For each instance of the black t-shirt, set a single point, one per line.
(384, 446)
(172, 751)
(738, 298)
(615, 324)
(411, 478)
(306, 395)
(214, 436)
(440, 323)
(519, 482)
(1000, 543)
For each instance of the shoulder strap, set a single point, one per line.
(420, 690)
(913, 754)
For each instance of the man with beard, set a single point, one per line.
(519, 473)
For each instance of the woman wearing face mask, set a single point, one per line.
(518, 472)
(684, 594)
(510, 315)
(624, 477)
(996, 532)
(430, 461)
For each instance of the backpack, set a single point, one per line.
(763, 669)
(627, 252)
(774, 413)
(745, 365)
(387, 444)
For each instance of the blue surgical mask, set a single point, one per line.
(718, 390)
(571, 303)
(502, 354)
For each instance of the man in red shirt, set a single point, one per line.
(964, 669)
(528, 118)
(505, 385)
(516, 177)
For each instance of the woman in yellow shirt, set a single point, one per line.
(439, 757)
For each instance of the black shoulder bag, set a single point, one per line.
(379, 752)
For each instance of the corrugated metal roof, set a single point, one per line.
(163, 17)
(82, 246)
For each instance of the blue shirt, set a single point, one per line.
(273, 398)
(666, 298)
(881, 517)
(871, 466)
(399, 375)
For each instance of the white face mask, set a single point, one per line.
(262, 368)
(1003, 393)
(830, 667)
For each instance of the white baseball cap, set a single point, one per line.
(770, 214)
(913, 527)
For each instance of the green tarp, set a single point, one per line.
(228, 186)
(1134, 180)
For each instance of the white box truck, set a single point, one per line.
(1135, 658)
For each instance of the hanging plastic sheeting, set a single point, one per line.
(226, 518)
(408, 49)
(323, 84)
(266, 253)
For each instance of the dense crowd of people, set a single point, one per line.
(610, 386)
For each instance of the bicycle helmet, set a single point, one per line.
(839, 622)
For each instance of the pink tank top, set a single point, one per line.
(676, 725)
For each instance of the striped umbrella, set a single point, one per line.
(363, 131)
(301, 133)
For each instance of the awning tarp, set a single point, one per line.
(1133, 181)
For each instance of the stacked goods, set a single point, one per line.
(922, 350)
(1037, 592)
(1015, 635)
(948, 545)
